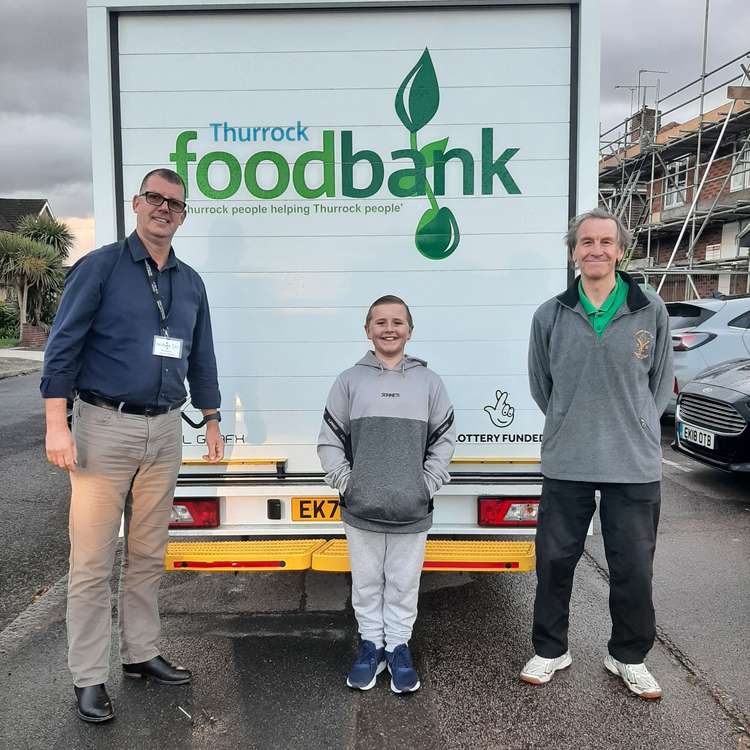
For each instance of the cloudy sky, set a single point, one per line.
(44, 115)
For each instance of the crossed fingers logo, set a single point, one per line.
(502, 413)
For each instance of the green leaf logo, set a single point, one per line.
(417, 101)
(437, 234)
(417, 107)
(429, 151)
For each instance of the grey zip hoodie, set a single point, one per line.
(602, 396)
(385, 444)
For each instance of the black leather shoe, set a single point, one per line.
(93, 704)
(158, 669)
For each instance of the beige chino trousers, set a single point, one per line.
(127, 466)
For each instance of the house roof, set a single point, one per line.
(12, 210)
(675, 139)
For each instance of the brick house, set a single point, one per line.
(656, 209)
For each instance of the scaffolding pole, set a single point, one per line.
(702, 104)
(653, 170)
(626, 177)
(728, 117)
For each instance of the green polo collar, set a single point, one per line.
(601, 317)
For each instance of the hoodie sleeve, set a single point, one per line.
(334, 440)
(441, 440)
(540, 378)
(661, 375)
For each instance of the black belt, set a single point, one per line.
(144, 411)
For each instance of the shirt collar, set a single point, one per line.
(139, 253)
(590, 309)
(636, 299)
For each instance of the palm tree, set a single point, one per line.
(55, 234)
(29, 266)
(48, 231)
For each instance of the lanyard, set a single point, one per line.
(157, 298)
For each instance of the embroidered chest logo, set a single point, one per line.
(390, 395)
(643, 341)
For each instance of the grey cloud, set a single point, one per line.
(45, 149)
(43, 58)
(66, 199)
(64, 93)
(666, 35)
(47, 156)
(44, 111)
(39, 36)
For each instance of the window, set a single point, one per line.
(741, 176)
(743, 321)
(683, 315)
(675, 190)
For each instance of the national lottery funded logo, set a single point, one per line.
(421, 173)
(501, 414)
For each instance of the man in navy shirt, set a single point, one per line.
(133, 324)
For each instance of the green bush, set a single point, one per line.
(9, 328)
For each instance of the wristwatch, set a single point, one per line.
(214, 417)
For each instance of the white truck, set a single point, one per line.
(334, 152)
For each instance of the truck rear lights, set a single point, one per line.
(684, 342)
(194, 514)
(508, 511)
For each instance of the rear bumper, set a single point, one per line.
(332, 556)
(244, 507)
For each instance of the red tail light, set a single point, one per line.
(676, 388)
(684, 342)
(508, 511)
(195, 514)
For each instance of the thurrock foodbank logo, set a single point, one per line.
(437, 234)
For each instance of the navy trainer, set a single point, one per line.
(370, 662)
(404, 678)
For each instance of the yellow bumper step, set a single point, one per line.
(444, 555)
(248, 557)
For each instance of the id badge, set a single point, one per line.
(165, 346)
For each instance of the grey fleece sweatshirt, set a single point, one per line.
(602, 396)
(385, 444)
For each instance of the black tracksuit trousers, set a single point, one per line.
(629, 516)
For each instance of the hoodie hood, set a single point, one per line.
(407, 363)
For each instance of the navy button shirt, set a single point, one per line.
(103, 335)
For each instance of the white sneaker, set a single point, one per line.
(636, 677)
(539, 670)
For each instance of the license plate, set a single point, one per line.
(315, 509)
(703, 438)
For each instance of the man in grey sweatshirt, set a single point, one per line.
(600, 368)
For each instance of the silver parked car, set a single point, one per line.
(706, 332)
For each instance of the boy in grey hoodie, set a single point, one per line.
(386, 441)
(600, 368)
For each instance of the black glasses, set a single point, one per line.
(157, 199)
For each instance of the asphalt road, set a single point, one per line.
(270, 651)
(33, 501)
